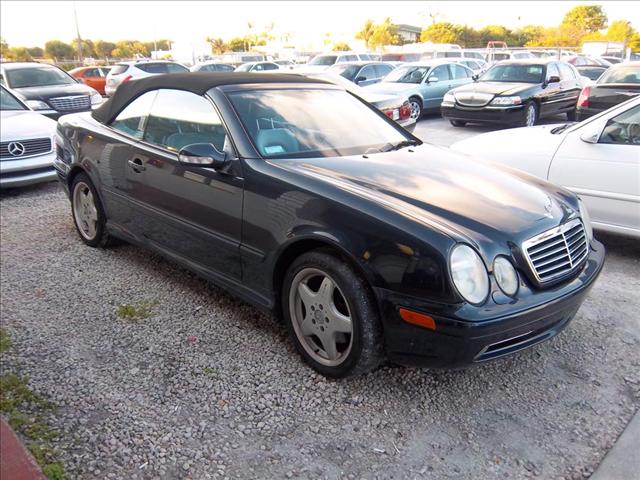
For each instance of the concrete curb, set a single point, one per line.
(622, 462)
(16, 463)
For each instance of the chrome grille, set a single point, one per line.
(28, 148)
(558, 251)
(70, 104)
(473, 99)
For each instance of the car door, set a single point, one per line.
(605, 174)
(570, 85)
(550, 96)
(192, 212)
(460, 75)
(436, 83)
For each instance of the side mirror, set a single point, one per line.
(433, 79)
(202, 155)
(553, 79)
(591, 134)
(475, 77)
(361, 78)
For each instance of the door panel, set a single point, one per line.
(433, 92)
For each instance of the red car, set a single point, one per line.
(95, 77)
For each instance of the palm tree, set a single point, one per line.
(217, 45)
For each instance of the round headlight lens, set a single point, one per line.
(586, 219)
(506, 275)
(469, 274)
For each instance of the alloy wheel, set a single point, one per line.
(530, 118)
(85, 212)
(415, 109)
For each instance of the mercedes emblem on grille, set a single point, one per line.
(16, 149)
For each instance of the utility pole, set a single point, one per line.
(75, 14)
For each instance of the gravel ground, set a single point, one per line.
(208, 387)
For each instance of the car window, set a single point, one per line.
(592, 73)
(269, 66)
(175, 68)
(552, 71)
(118, 69)
(623, 74)
(502, 72)
(566, 72)
(179, 118)
(368, 72)
(407, 74)
(37, 77)
(105, 71)
(441, 72)
(131, 120)
(152, 67)
(92, 73)
(458, 72)
(324, 60)
(9, 102)
(623, 129)
(382, 70)
(348, 58)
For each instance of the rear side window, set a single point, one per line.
(152, 67)
(458, 72)
(175, 68)
(179, 118)
(118, 69)
(132, 119)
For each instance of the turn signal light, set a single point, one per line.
(583, 99)
(405, 111)
(419, 319)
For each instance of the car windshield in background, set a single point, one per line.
(324, 60)
(37, 77)
(514, 73)
(408, 74)
(9, 102)
(347, 71)
(309, 123)
(626, 74)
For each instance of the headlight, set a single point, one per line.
(586, 220)
(96, 99)
(506, 276)
(449, 99)
(37, 105)
(515, 100)
(469, 274)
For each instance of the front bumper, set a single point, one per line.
(458, 342)
(499, 115)
(27, 171)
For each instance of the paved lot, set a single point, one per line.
(208, 387)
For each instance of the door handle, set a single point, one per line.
(136, 165)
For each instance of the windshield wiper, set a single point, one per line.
(397, 146)
(561, 128)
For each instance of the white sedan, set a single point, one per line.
(599, 159)
(26, 144)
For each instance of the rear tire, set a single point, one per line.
(88, 213)
(458, 123)
(332, 316)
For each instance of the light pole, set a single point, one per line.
(75, 14)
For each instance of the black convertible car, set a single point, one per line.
(308, 202)
(515, 93)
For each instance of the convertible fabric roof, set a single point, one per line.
(196, 82)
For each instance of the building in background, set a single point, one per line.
(408, 33)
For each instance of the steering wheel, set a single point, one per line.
(633, 133)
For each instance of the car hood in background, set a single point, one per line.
(391, 87)
(25, 124)
(49, 91)
(529, 148)
(435, 186)
(495, 88)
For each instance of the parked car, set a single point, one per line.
(396, 107)
(478, 66)
(285, 64)
(582, 60)
(592, 72)
(126, 71)
(212, 67)
(362, 73)
(472, 54)
(325, 60)
(597, 159)
(400, 57)
(516, 93)
(493, 56)
(238, 58)
(617, 84)
(95, 77)
(47, 89)
(425, 83)
(257, 67)
(26, 143)
(612, 60)
(369, 243)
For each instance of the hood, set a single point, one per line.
(464, 198)
(494, 88)
(49, 91)
(529, 148)
(25, 124)
(392, 88)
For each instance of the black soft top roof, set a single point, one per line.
(196, 82)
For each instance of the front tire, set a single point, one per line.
(530, 115)
(88, 213)
(416, 108)
(458, 123)
(331, 316)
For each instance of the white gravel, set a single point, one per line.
(208, 387)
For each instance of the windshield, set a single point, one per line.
(347, 71)
(307, 123)
(324, 60)
(8, 101)
(407, 74)
(514, 73)
(626, 74)
(37, 77)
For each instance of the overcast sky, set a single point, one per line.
(25, 23)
